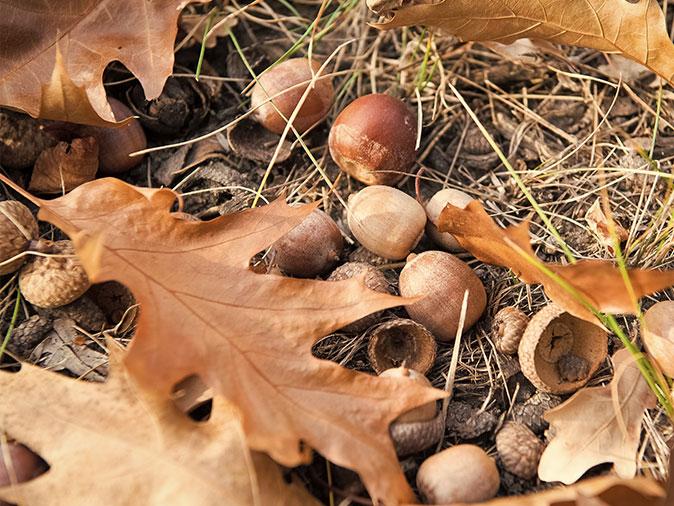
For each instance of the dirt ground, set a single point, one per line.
(559, 115)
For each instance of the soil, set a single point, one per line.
(571, 138)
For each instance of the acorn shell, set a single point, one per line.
(441, 279)
(658, 335)
(17, 228)
(54, 281)
(401, 342)
(553, 334)
(435, 206)
(374, 280)
(289, 80)
(386, 221)
(311, 248)
(374, 138)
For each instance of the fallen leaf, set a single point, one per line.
(598, 281)
(599, 224)
(65, 166)
(601, 491)
(118, 444)
(54, 53)
(635, 29)
(247, 335)
(221, 25)
(598, 425)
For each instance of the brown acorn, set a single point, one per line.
(311, 248)
(435, 206)
(17, 228)
(374, 139)
(55, 280)
(420, 427)
(116, 143)
(441, 279)
(285, 84)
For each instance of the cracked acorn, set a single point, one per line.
(373, 139)
(285, 85)
(559, 353)
(420, 427)
(18, 228)
(56, 279)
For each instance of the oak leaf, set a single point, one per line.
(65, 166)
(598, 425)
(636, 29)
(601, 491)
(54, 53)
(599, 282)
(247, 335)
(118, 444)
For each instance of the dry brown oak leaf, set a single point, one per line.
(121, 445)
(54, 53)
(598, 425)
(247, 335)
(599, 282)
(636, 29)
(601, 491)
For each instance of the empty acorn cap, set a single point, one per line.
(555, 340)
(401, 342)
(658, 335)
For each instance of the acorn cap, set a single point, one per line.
(401, 341)
(413, 437)
(17, 228)
(507, 329)
(658, 335)
(520, 450)
(54, 281)
(555, 338)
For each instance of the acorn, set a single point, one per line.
(17, 229)
(386, 221)
(520, 450)
(558, 352)
(285, 84)
(658, 335)
(460, 474)
(441, 279)
(374, 280)
(401, 343)
(374, 139)
(53, 281)
(507, 329)
(435, 206)
(116, 143)
(420, 427)
(313, 247)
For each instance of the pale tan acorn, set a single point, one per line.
(434, 208)
(441, 279)
(459, 474)
(54, 280)
(386, 221)
(17, 229)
